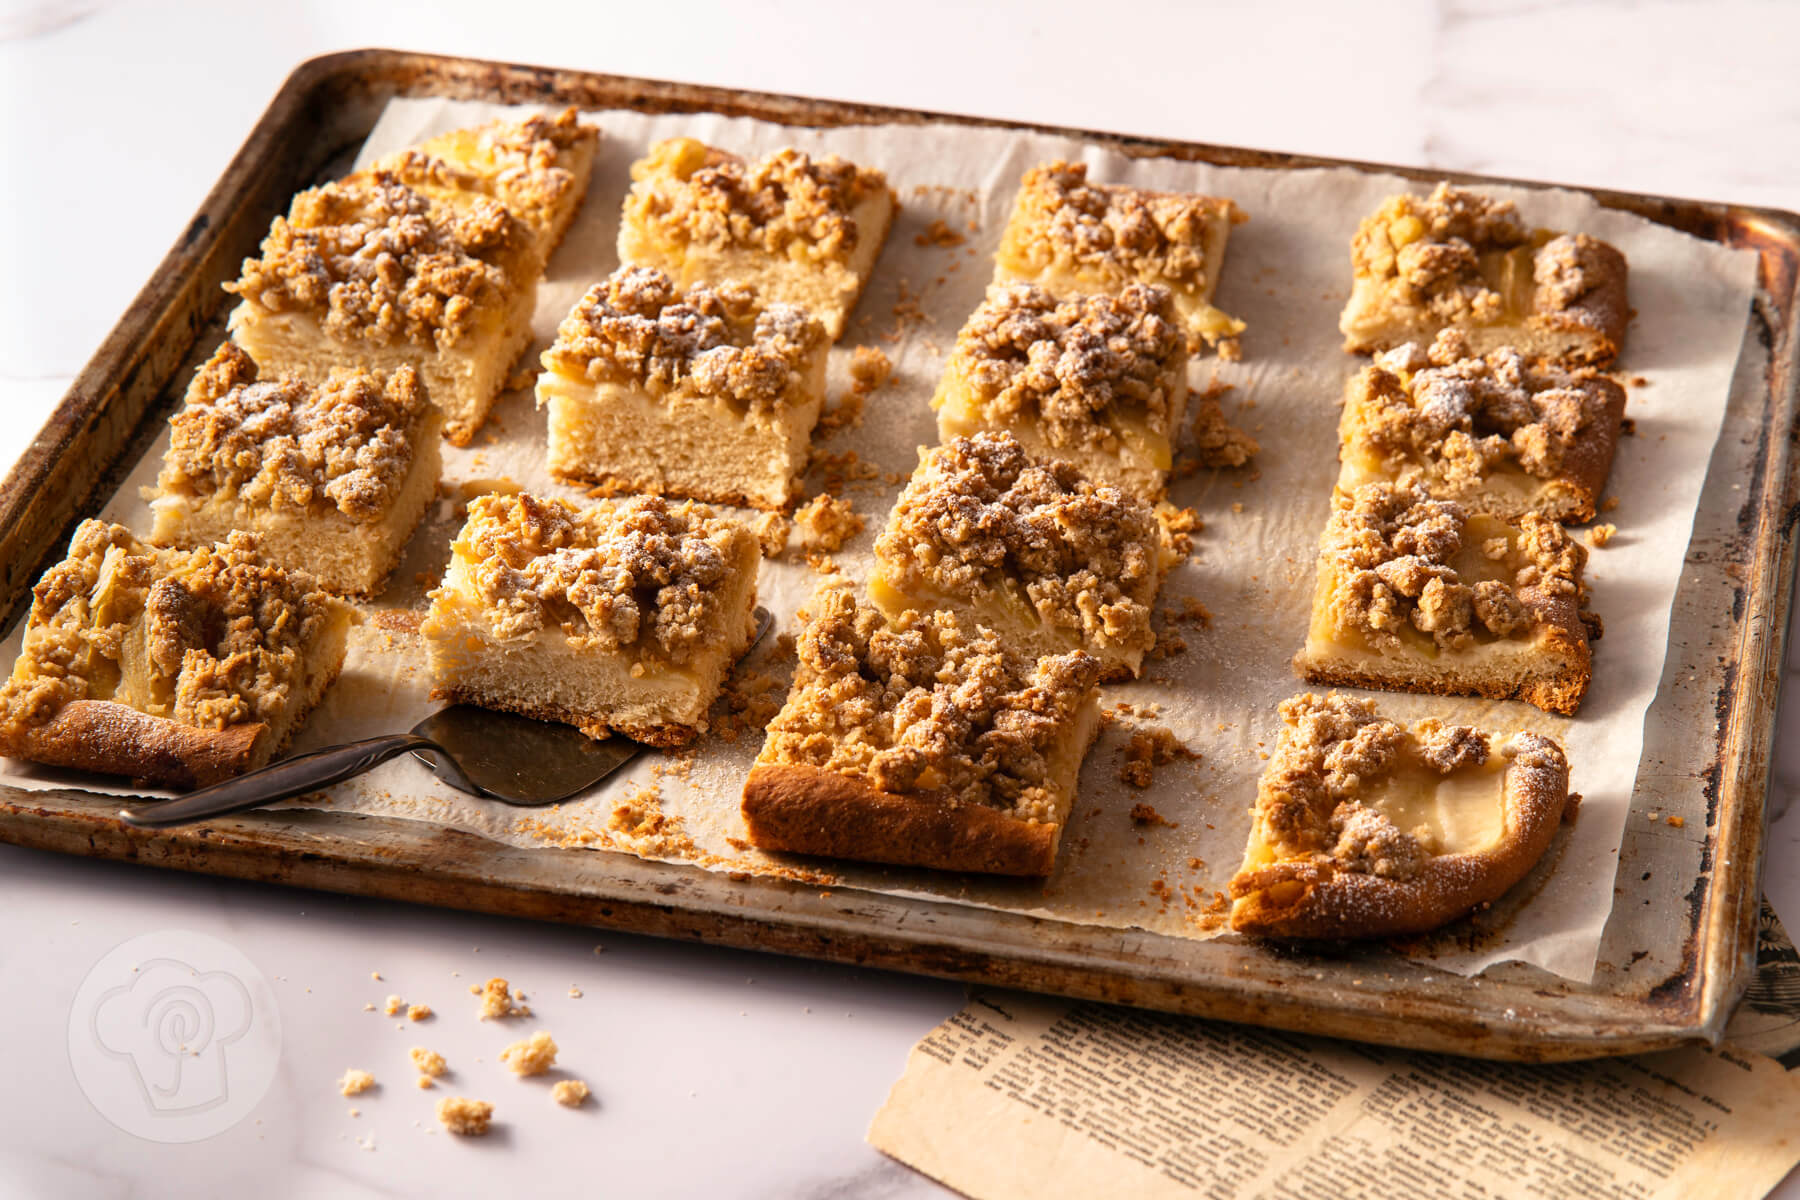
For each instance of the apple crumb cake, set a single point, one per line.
(1098, 381)
(923, 742)
(792, 228)
(623, 616)
(1365, 828)
(1070, 236)
(1417, 595)
(1459, 258)
(1029, 549)
(1496, 433)
(537, 167)
(333, 478)
(698, 393)
(370, 274)
(176, 667)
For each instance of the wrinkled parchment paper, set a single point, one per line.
(1287, 274)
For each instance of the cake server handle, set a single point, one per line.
(279, 781)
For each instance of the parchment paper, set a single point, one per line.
(1287, 274)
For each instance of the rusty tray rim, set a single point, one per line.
(334, 851)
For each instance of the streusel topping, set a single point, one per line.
(522, 164)
(979, 512)
(788, 204)
(637, 327)
(639, 573)
(1469, 415)
(373, 260)
(1393, 547)
(1335, 754)
(1071, 224)
(925, 704)
(1431, 249)
(1074, 362)
(221, 642)
(286, 444)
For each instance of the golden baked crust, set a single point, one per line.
(1496, 433)
(921, 742)
(376, 261)
(1461, 258)
(1068, 234)
(1325, 861)
(796, 229)
(637, 328)
(172, 666)
(537, 167)
(1093, 377)
(985, 528)
(1414, 594)
(284, 444)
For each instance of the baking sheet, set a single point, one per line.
(1287, 275)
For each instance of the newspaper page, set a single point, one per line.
(1026, 1096)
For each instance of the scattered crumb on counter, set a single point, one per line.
(463, 1116)
(569, 1092)
(418, 1012)
(1217, 442)
(1147, 750)
(532, 1056)
(825, 523)
(393, 1006)
(355, 1082)
(1143, 814)
(1675, 822)
(429, 1062)
(574, 992)
(938, 233)
(772, 530)
(497, 1001)
(1599, 535)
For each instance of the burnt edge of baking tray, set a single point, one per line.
(122, 375)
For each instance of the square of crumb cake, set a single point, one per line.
(1418, 595)
(373, 275)
(623, 616)
(699, 393)
(792, 228)
(922, 741)
(1028, 548)
(1364, 828)
(1070, 236)
(177, 667)
(333, 477)
(1098, 381)
(1458, 258)
(537, 167)
(1495, 433)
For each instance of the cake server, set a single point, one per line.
(494, 755)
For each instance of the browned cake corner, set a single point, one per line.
(1364, 828)
(1070, 236)
(704, 392)
(1496, 433)
(1416, 595)
(921, 742)
(1026, 547)
(793, 228)
(1460, 258)
(177, 667)
(370, 274)
(332, 477)
(621, 616)
(1098, 381)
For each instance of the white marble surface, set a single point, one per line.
(715, 1073)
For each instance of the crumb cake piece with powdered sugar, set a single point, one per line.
(792, 228)
(1097, 381)
(333, 478)
(1028, 548)
(921, 741)
(1459, 258)
(705, 393)
(623, 616)
(175, 667)
(1365, 828)
(1419, 595)
(1071, 237)
(1496, 433)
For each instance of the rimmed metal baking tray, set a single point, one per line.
(1668, 974)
